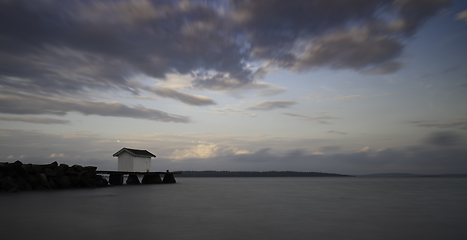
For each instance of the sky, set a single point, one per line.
(351, 87)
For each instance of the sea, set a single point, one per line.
(245, 208)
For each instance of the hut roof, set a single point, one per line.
(134, 152)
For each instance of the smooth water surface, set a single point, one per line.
(245, 208)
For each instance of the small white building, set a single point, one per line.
(134, 160)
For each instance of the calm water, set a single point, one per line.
(245, 208)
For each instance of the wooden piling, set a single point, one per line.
(169, 178)
(151, 179)
(116, 179)
(132, 179)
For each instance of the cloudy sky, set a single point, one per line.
(353, 87)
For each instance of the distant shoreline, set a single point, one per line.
(411, 175)
(213, 173)
(257, 174)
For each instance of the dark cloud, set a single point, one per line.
(444, 139)
(74, 46)
(353, 50)
(340, 34)
(184, 97)
(330, 148)
(271, 105)
(40, 120)
(413, 13)
(23, 104)
(456, 123)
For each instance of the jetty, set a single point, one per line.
(134, 162)
(117, 177)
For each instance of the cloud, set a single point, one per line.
(363, 149)
(355, 49)
(318, 97)
(413, 13)
(40, 120)
(205, 150)
(385, 68)
(444, 139)
(55, 155)
(462, 16)
(58, 48)
(262, 88)
(451, 69)
(343, 97)
(183, 97)
(271, 105)
(456, 123)
(225, 110)
(317, 153)
(358, 35)
(229, 152)
(23, 104)
(337, 132)
(330, 148)
(101, 44)
(319, 118)
(420, 161)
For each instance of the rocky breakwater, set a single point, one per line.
(18, 176)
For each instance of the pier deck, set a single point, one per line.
(137, 173)
(116, 177)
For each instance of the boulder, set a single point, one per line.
(52, 184)
(89, 169)
(37, 168)
(49, 172)
(29, 167)
(87, 174)
(64, 166)
(51, 166)
(18, 176)
(17, 164)
(74, 180)
(71, 172)
(77, 168)
(3, 170)
(22, 183)
(101, 181)
(32, 181)
(64, 182)
(61, 170)
(8, 186)
(42, 181)
(84, 181)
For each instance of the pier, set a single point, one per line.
(116, 177)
